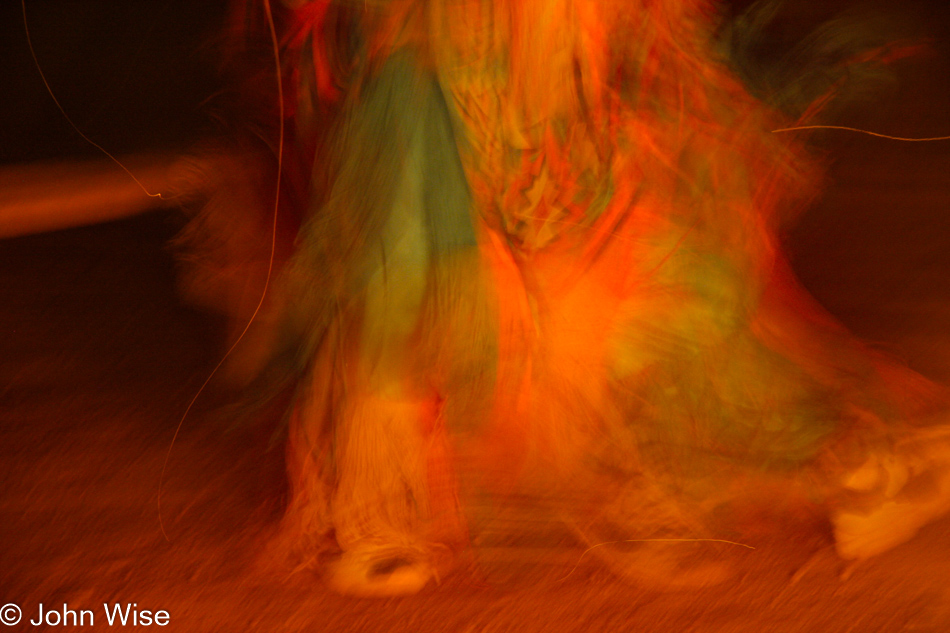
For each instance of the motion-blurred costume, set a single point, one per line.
(534, 262)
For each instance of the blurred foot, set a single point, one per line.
(376, 571)
(893, 494)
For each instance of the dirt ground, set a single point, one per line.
(99, 360)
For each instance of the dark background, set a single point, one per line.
(131, 75)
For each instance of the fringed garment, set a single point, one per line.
(538, 261)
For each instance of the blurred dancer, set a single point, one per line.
(538, 258)
(527, 250)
